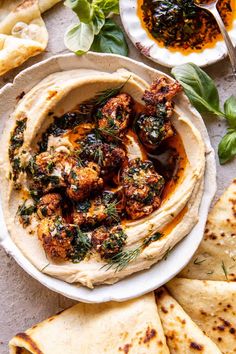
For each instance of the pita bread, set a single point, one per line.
(130, 327)
(215, 259)
(212, 305)
(45, 5)
(182, 334)
(23, 33)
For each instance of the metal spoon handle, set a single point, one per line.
(228, 42)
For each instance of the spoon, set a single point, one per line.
(211, 7)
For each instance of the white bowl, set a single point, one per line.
(150, 48)
(161, 272)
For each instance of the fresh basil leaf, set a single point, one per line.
(108, 6)
(98, 20)
(110, 40)
(79, 38)
(199, 88)
(230, 111)
(227, 147)
(82, 8)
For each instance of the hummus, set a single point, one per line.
(141, 239)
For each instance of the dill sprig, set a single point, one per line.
(111, 129)
(103, 96)
(110, 132)
(112, 212)
(79, 161)
(123, 258)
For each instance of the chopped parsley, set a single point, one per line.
(25, 212)
(81, 244)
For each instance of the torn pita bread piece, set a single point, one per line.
(212, 305)
(45, 5)
(23, 33)
(182, 334)
(132, 327)
(215, 259)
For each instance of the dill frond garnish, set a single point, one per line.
(103, 96)
(111, 132)
(111, 211)
(111, 129)
(123, 258)
(79, 161)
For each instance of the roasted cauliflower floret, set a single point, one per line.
(161, 92)
(114, 116)
(49, 205)
(108, 241)
(142, 188)
(108, 156)
(83, 180)
(56, 237)
(154, 126)
(47, 169)
(103, 208)
(152, 130)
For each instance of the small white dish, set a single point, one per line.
(150, 48)
(142, 282)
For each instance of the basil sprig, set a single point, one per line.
(95, 31)
(203, 94)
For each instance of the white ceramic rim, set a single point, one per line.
(139, 283)
(148, 47)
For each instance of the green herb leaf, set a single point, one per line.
(199, 88)
(108, 6)
(103, 96)
(112, 212)
(153, 238)
(227, 146)
(25, 212)
(123, 258)
(98, 20)
(82, 8)
(230, 111)
(82, 245)
(110, 40)
(79, 38)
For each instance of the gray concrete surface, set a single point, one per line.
(24, 301)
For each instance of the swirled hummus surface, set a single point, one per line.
(102, 175)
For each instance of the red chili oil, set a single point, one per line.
(181, 26)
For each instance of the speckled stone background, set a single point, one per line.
(23, 301)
